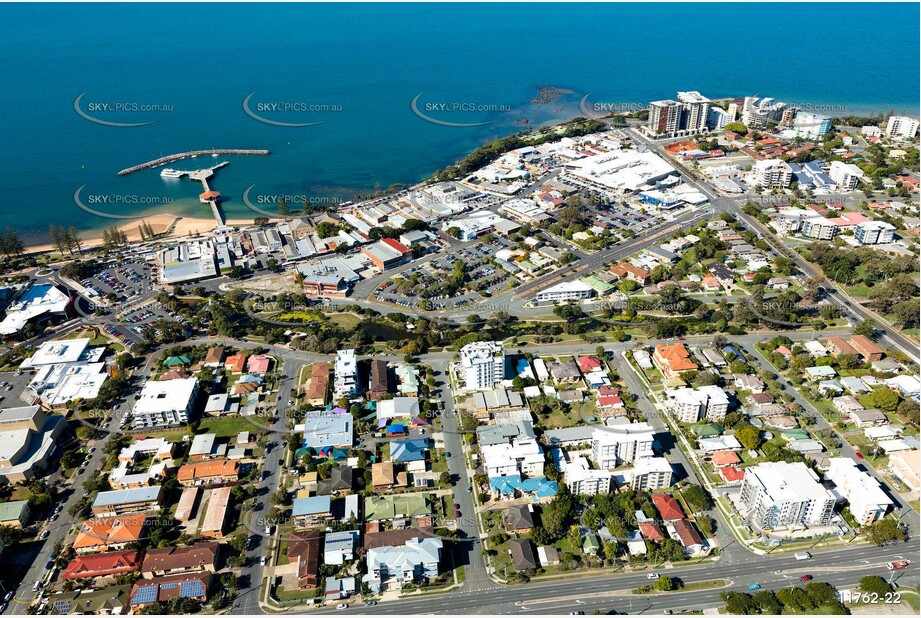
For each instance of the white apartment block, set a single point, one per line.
(690, 405)
(581, 479)
(784, 496)
(819, 228)
(568, 290)
(345, 377)
(621, 443)
(866, 499)
(522, 456)
(651, 473)
(845, 175)
(164, 404)
(695, 111)
(874, 232)
(482, 364)
(901, 126)
(771, 174)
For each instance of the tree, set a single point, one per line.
(10, 243)
(767, 602)
(867, 328)
(749, 436)
(884, 531)
(736, 127)
(696, 497)
(738, 603)
(881, 398)
(874, 583)
(666, 584)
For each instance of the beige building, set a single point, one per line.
(27, 440)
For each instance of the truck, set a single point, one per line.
(897, 565)
(802, 555)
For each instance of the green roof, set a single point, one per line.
(12, 510)
(599, 285)
(707, 430)
(392, 506)
(591, 543)
(795, 434)
(174, 361)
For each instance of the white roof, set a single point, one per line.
(787, 482)
(165, 396)
(37, 301)
(568, 286)
(58, 351)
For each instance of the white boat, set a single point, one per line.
(171, 173)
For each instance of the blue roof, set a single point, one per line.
(540, 487)
(310, 506)
(408, 450)
(506, 485)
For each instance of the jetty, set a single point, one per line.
(208, 196)
(191, 153)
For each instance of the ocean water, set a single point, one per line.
(363, 64)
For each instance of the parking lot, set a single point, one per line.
(433, 285)
(12, 385)
(144, 317)
(124, 280)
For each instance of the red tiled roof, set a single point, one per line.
(588, 363)
(668, 507)
(651, 531)
(724, 458)
(98, 565)
(731, 474)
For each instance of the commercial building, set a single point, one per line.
(164, 403)
(906, 465)
(36, 304)
(901, 126)
(566, 291)
(387, 253)
(345, 380)
(866, 499)
(620, 171)
(874, 232)
(771, 174)
(620, 443)
(784, 496)
(845, 175)
(187, 261)
(482, 364)
(28, 439)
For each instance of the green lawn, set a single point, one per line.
(228, 427)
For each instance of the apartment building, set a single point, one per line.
(621, 443)
(866, 499)
(784, 496)
(482, 364)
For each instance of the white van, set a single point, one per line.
(802, 555)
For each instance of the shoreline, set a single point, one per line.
(182, 226)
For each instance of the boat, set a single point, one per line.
(171, 173)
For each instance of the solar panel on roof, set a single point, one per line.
(147, 594)
(63, 607)
(168, 586)
(192, 589)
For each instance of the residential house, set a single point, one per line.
(522, 553)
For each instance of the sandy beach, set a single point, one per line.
(181, 227)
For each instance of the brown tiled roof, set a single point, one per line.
(107, 531)
(304, 549)
(169, 559)
(398, 537)
(319, 381)
(687, 533)
(207, 469)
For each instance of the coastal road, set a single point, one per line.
(842, 567)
